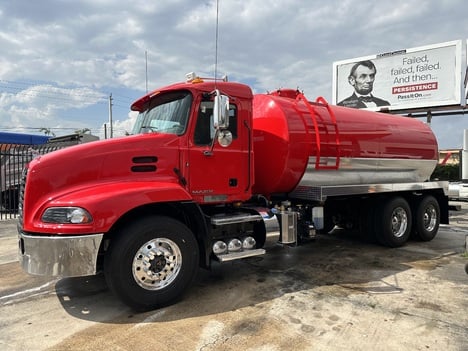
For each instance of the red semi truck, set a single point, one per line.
(210, 172)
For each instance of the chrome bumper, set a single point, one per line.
(63, 256)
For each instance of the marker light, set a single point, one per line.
(193, 78)
(234, 245)
(219, 248)
(248, 243)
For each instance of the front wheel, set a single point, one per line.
(151, 262)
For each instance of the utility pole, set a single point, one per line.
(110, 117)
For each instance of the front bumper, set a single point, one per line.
(63, 256)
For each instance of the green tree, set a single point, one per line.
(446, 172)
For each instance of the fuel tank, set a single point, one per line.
(303, 143)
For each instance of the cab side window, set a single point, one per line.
(204, 130)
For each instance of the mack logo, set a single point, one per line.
(204, 191)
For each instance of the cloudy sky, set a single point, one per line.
(62, 59)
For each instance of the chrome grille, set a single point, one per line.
(24, 174)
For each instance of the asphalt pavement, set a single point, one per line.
(337, 293)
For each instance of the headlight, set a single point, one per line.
(64, 215)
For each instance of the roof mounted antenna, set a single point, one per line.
(216, 43)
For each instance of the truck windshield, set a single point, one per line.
(165, 113)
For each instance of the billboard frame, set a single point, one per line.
(457, 96)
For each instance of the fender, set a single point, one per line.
(106, 203)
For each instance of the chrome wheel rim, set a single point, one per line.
(399, 222)
(430, 218)
(157, 264)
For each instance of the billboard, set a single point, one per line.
(411, 79)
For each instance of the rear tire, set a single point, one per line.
(393, 222)
(151, 262)
(427, 218)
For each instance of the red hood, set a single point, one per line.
(141, 157)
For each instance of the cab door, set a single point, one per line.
(219, 174)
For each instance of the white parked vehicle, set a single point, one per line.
(458, 191)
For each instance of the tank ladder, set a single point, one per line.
(330, 131)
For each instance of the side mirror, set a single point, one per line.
(221, 111)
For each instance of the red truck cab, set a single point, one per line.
(212, 173)
(94, 200)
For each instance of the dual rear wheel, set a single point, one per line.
(393, 221)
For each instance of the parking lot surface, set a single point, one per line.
(336, 293)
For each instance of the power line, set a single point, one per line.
(49, 88)
(122, 106)
(125, 97)
(35, 128)
(64, 98)
(51, 91)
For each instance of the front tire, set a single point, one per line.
(151, 262)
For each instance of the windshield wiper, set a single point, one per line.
(146, 129)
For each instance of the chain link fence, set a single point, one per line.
(13, 158)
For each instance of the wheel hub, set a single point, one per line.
(156, 264)
(399, 222)
(430, 218)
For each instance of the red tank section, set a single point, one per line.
(293, 137)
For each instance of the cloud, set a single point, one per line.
(56, 48)
(124, 127)
(39, 105)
